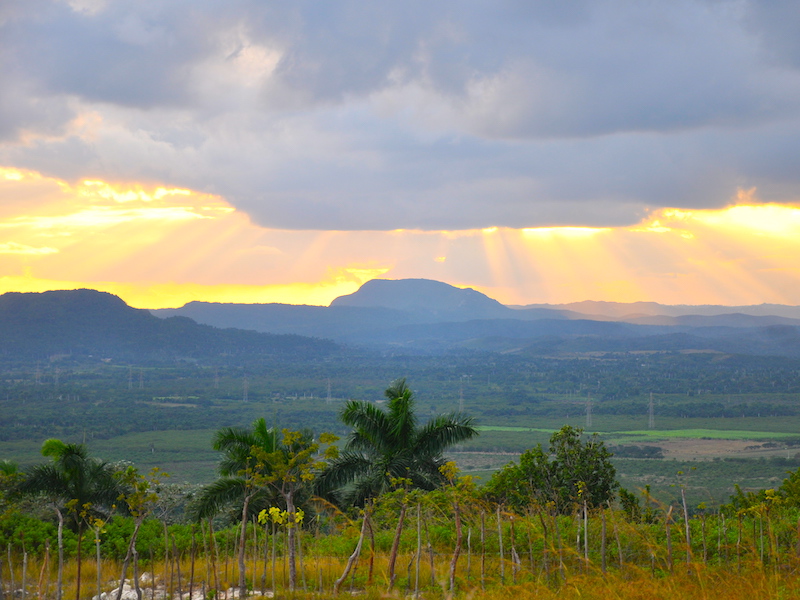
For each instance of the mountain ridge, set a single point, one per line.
(426, 315)
(91, 323)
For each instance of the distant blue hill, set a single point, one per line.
(88, 322)
(421, 315)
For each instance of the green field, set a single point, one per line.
(658, 434)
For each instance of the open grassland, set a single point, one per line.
(501, 555)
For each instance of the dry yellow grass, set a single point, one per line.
(753, 582)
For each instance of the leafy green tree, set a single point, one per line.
(288, 470)
(78, 486)
(9, 477)
(237, 482)
(260, 468)
(141, 496)
(574, 470)
(385, 446)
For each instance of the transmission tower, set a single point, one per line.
(245, 389)
(328, 398)
(651, 422)
(588, 412)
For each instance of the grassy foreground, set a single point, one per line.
(747, 582)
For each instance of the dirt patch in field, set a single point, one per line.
(700, 449)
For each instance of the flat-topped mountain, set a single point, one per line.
(427, 299)
(88, 322)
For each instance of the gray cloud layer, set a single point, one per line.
(376, 115)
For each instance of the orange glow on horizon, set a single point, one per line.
(158, 247)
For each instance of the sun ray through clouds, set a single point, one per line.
(156, 245)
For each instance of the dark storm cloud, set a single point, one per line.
(352, 115)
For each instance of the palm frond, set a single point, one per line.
(443, 432)
(402, 419)
(217, 496)
(369, 421)
(342, 470)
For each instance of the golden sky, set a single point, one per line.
(157, 246)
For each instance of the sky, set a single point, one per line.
(538, 151)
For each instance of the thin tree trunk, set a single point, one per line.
(371, 568)
(457, 550)
(136, 586)
(128, 555)
(24, 574)
(469, 553)
(178, 567)
(2, 587)
(603, 541)
(191, 568)
(500, 543)
(557, 532)
(152, 576)
(739, 546)
(703, 533)
(585, 535)
(354, 556)
(669, 538)
(44, 571)
(274, 555)
(688, 531)
(419, 550)
(430, 550)
(214, 555)
(725, 538)
(290, 542)
(266, 559)
(97, 561)
(513, 552)
(60, 581)
(396, 545)
(167, 562)
(11, 570)
(80, 560)
(483, 550)
(207, 579)
(242, 547)
(545, 549)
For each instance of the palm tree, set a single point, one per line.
(77, 485)
(387, 446)
(238, 470)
